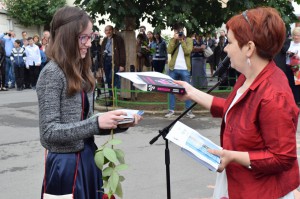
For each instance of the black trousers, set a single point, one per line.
(19, 75)
(27, 78)
(34, 74)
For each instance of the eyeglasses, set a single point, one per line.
(84, 38)
(247, 19)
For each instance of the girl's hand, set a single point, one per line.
(109, 120)
(137, 119)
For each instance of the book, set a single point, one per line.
(129, 118)
(153, 81)
(194, 145)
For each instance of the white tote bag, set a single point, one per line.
(221, 186)
(49, 196)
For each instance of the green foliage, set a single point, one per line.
(33, 12)
(284, 7)
(111, 162)
(195, 15)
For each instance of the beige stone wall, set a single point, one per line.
(6, 24)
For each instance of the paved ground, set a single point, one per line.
(22, 157)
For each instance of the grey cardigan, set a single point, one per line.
(61, 128)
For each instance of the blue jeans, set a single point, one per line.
(10, 72)
(108, 74)
(183, 75)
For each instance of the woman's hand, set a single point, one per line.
(189, 89)
(109, 120)
(137, 119)
(228, 156)
(225, 156)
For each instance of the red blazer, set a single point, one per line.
(263, 122)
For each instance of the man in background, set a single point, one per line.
(33, 61)
(113, 46)
(9, 40)
(180, 48)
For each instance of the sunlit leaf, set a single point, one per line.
(110, 155)
(113, 181)
(107, 171)
(121, 167)
(120, 155)
(119, 191)
(99, 159)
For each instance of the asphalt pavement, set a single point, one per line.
(22, 156)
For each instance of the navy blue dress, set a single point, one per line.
(61, 167)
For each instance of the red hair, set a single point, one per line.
(264, 27)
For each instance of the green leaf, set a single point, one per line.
(110, 155)
(105, 185)
(107, 171)
(105, 178)
(115, 141)
(99, 159)
(120, 155)
(121, 178)
(37, 12)
(119, 191)
(121, 167)
(113, 181)
(100, 149)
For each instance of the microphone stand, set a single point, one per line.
(166, 130)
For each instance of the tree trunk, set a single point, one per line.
(130, 46)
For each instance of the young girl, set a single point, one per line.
(65, 95)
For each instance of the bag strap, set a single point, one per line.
(78, 154)
(75, 174)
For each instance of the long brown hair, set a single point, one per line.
(66, 26)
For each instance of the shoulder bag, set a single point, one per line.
(208, 52)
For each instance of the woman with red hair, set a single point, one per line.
(260, 116)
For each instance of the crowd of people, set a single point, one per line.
(259, 117)
(21, 60)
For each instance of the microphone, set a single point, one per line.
(222, 67)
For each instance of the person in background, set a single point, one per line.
(143, 54)
(9, 39)
(18, 57)
(43, 57)
(160, 55)
(65, 94)
(199, 78)
(293, 52)
(142, 31)
(259, 117)
(46, 35)
(44, 44)
(33, 61)
(112, 46)
(211, 42)
(24, 38)
(2, 67)
(180, 48)
(218, 56)
(150, 37)
(36, 39)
